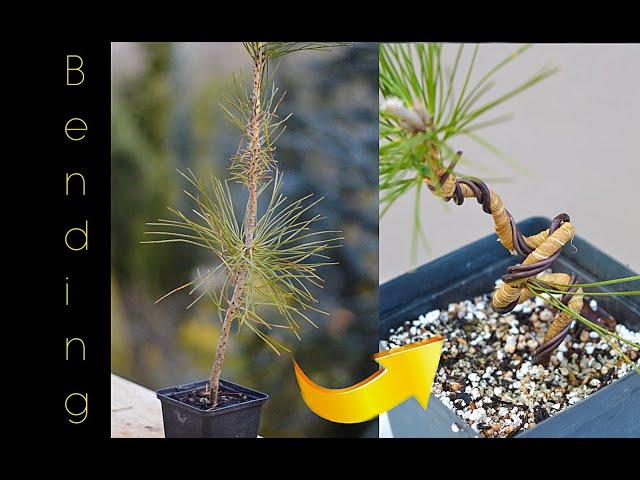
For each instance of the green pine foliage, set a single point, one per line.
(421, 105)
(276, 266)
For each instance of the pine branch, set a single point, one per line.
(421, 112)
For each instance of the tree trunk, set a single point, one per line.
(254, 127)
(216, 369)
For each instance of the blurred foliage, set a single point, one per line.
(163, 119)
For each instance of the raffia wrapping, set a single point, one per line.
(544, 244)
(507, 293)
(562, 278)
(562, 318)
(498, 212)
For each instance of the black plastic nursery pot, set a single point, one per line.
(613, 411)
(182, 420)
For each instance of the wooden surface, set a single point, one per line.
(135, 411)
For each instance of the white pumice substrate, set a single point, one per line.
(486, 374)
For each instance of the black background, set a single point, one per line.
(88, 314)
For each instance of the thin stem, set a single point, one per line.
(598, 284)
(537, 286)
(255, 126)
(594, 326)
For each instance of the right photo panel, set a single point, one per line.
(508, 229)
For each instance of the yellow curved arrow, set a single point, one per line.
(408, 371)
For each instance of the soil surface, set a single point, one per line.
(486, 373)
(200, 398)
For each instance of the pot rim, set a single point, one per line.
(256, 398)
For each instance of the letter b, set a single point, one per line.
(77, 72)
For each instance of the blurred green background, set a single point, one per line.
(165, 114)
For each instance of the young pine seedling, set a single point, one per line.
(265, 257)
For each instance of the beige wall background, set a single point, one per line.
(576, 134)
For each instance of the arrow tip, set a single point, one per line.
(423, 399)
(416, 364)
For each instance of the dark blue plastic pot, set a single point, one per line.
(613, 411)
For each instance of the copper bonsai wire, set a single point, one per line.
(540, 251)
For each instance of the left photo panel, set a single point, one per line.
(244, 236)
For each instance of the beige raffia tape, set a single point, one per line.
(506, 293)
(498, 211)
(535, 240)
(563, 278)
(551, 244)
(562, 318)
(544, 246)
(501, 220)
